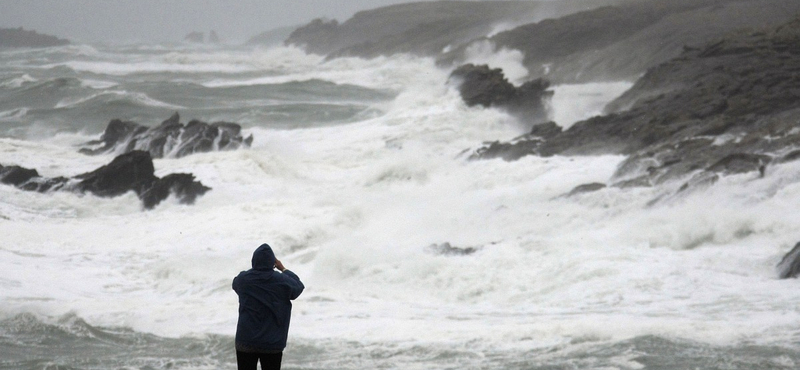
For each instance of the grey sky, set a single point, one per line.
(170, 20)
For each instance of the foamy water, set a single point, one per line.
(352, 207)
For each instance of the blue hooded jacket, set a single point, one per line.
(265, 306)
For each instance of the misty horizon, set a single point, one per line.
(158, 21)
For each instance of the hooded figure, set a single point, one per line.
(265, 306)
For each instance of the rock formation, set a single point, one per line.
(729, 107)
(18, 37)
(445, 249)
(195, 36)
(423, 28)
(789, 267)
(170, 139)
(132, 171)
(481, 85)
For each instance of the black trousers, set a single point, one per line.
(269, 361)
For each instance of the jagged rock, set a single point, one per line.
(741, 163)
(481, 85)
(789, 267)
(133, 171)
(29, 179)
(16, 175)
(446, 249)
(700, 180)
(18, 37)
(586, 188)
(545, 130)
(508, 151)
(130, 171)
(182, 185)
(527, 144)
(171, 138)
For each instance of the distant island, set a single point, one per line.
(21, 38)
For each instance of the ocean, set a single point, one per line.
(357, 176)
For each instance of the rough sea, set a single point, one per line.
(358, 174)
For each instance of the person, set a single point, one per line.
(265, 308)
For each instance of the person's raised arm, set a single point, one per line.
(296, 285)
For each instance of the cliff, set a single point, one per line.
(728, 107)
(622, 41)
(423, 28)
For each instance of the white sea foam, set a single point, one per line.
(575, 102)
(18, 82)
(352, 209)
(509, 60)
(13, 114)
(98, 84)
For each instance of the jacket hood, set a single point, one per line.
(263, 258)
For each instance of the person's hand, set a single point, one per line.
(279, 265)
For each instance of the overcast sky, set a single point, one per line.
(170, 20)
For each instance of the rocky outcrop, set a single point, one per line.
(169, 139)
(622, 41)
(423, 28)
(481, 85)
(18, 37)
(445, 249)
(132, 171)
(521, 146)
(727, 108)
(789, 267)
(195, 36)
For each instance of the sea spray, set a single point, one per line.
(352, 206)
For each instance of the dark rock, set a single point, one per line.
(129, 171)
(791, 156)
(699, 181)
(170, 138)
(741, 163)
(182, 185)
(44, 184)
(118, 133)
(546, 130)
(16, 175)
(481, 85)
(18, 37)
(637, 182)
(524, 145)
(132, 171)
(789, 267)
(446, 249)
(586, 188)
(507, 151)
